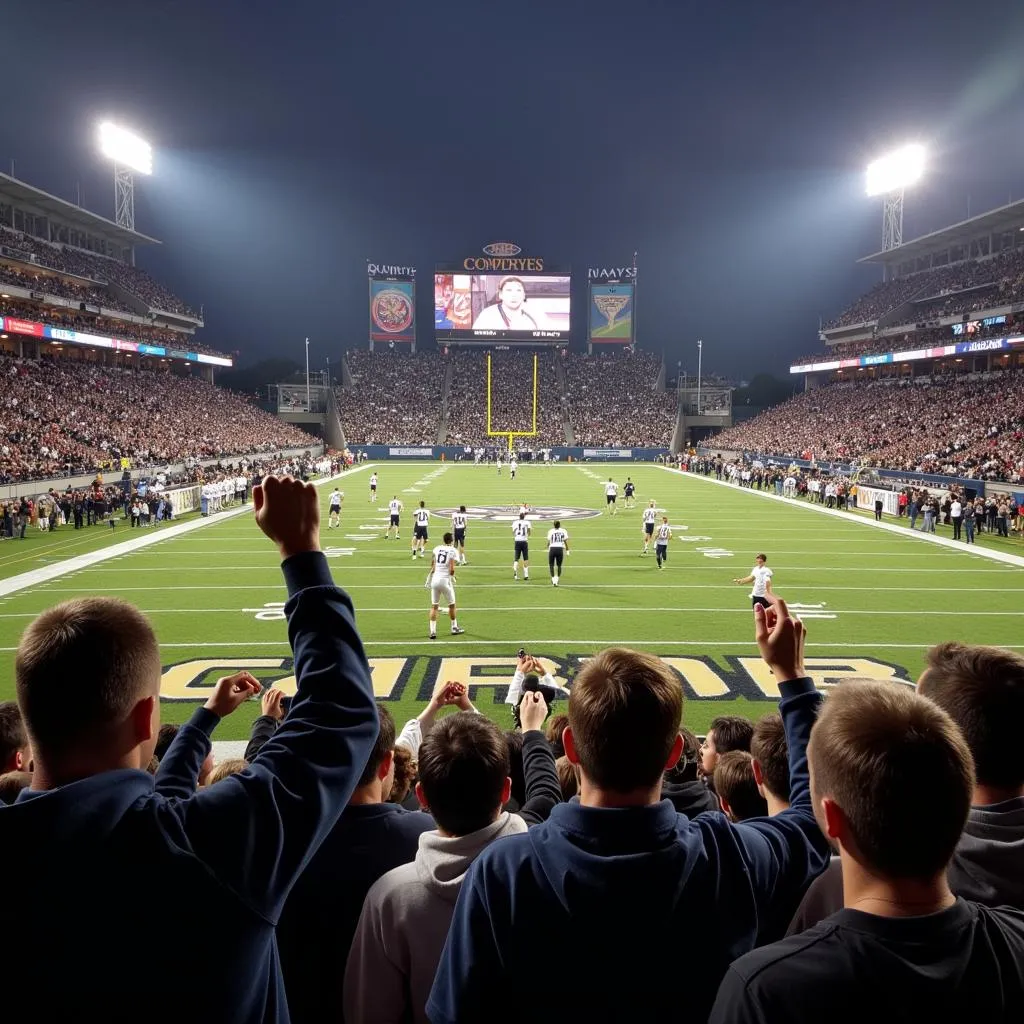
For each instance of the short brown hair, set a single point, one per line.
(13, 738)
(568, 778)
(11, 784)
(982, 690)
(229, 766)
(736, 786)
(732, 732)
(463, 767)
(553, 733)
(686, 769)
(80, 667)
(624, 711)
(770, 750)
(898, 767)
(405, 774)
(381, 749)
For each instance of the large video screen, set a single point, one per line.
(504, 307)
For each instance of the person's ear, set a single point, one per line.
(506, 791)
(142, 718)
(675, 753)
(569, 745)
(421, 797)
(385, 765)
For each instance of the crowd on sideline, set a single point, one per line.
(395, 397)
(566, 867)
(609, 400)
(969, 427)
(614, 401)
(80, 263)
(511, 397)
(61, 417)
(937, 290)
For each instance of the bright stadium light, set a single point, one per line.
(130, 155)
(888, 177)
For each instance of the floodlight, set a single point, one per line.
(896, 171)
(125, 148)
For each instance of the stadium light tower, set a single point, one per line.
(888, 177)
(131, 155)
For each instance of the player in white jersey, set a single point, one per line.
(521, 535)
(650, 517)
(558, 548)
(661, 539)
(373, 487)
(459, 520)
(512, 467)
(420, 521)
(395, 507)
(611, 491)
(761, 577)
(334, 508)
(441, 582)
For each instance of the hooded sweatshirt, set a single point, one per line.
(632, 898)
(404, 923)
(690, 798)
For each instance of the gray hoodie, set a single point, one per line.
(404, 924)
(988, 865)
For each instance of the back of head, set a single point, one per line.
(686, 768)
(900, 771)
(553, 733)
(229, 766)
(381, 748)
(732, 732)
(463, 764)
(164, 738)
(80, 668)
(982, 690)
(624, 713)
(769, 748)
(11, 784)
(568, 778)
(736, 786)
(13, 738)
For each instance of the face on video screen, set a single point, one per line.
(502, 304)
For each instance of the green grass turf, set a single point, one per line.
(892, 595)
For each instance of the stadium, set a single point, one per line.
(684, 566)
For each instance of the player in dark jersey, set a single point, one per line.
(459, 520)
(628, 491)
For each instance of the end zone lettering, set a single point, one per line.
(702, 678)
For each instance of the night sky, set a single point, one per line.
(724, 140)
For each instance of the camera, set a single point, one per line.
(522, 652)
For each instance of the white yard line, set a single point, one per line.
(34, 577)
(847, 517)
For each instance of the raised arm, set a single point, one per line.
(257, 830)
(543, 789)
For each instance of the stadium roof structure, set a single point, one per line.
(70, 214)
(995, 222)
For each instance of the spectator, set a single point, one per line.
(737, 788)
(620, 863)
(682, 784)
(568, 778)
(164, 738)
(727, 732)
(892, 780)
(771, 762)
(15, 753)
(12, 783)
(100, 836)
(464, 783)
(225, 769)
(553, 732)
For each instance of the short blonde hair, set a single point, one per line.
(229, 766)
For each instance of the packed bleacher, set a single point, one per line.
(613, 400)
(62, 417)
(511, 397)
(97, 268)
(395, 397)
(943, 291)
(849, 858)
(959, 426)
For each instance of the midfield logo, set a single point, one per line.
(510, 513)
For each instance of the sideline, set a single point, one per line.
(900, 531)
(34, 577)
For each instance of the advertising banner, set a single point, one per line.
(392, 303)
(610, 319)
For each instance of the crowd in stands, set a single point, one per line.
(61, 417)
(105, 327)
(970, 427)
(940, 286)
(98, 268)
(511, 397)
(849, 858)
(395, 397)
(52, 284)
(613, 401)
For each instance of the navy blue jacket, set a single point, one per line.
(130, 904)
(645, 907)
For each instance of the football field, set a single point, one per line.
(874, 600)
